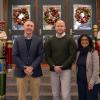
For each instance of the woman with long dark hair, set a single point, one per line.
(87, 62)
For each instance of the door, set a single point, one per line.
(68, 14)
(62, 9)
(48, 12)
(18, 12)
(87, 10)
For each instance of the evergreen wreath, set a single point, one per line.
(51, 15)
(20, 16)
(82, 14)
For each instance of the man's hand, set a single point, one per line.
(58, 69)
(28, 70)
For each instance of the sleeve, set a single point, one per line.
(95, 65)
(48, 53)
(72, 53)
(16, 55)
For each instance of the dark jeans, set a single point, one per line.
(93, 94)
(84, 94)
(99, 88)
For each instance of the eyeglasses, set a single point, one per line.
(84, 40)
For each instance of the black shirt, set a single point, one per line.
(81, 63)
(28, 43)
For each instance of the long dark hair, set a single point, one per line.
(91, 47)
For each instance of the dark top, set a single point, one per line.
(81, 63)
(32, 57)
(28, 43)
(60, 51)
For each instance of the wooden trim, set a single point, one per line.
(65, 11)
(36, 15)
(97, 13)
(5, 13)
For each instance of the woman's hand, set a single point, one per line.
(90, 87)
(74, 68)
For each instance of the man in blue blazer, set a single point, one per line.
(27, 56)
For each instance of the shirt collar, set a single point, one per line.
(60, 35)
(27, 37)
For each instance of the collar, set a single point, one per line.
(27, 36)
(60, 35)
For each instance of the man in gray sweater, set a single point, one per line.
(60, 52)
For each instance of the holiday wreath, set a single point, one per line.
(51, 15)
(20, 15)
(82, 14)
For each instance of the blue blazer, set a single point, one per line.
(21, 56)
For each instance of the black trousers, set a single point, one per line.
(84, 93)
